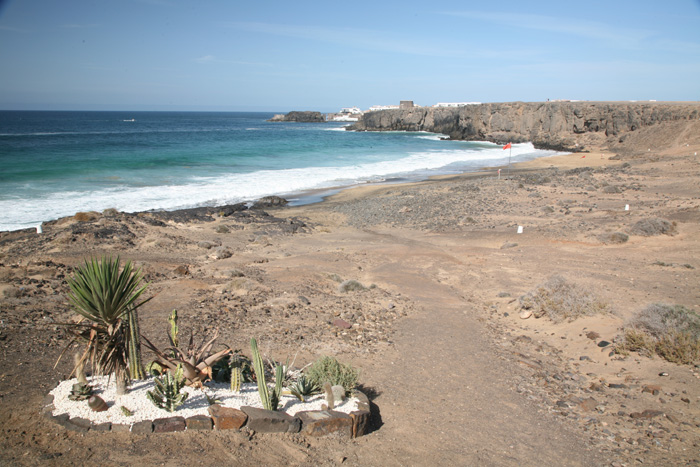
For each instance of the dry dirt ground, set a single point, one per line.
(454, 374)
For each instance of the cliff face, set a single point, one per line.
(565, 126)
(299, 116)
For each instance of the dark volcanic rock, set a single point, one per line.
(270, 202)
(203, 214)
(298, 116)
(562, 126)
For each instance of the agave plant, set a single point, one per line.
(106, 298)
(303, 387)
(196, 362)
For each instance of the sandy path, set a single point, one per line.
(445, 396)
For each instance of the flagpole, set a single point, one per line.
(509, 147)
(510, 151)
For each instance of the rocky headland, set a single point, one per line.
(563, 126)
(306, 116)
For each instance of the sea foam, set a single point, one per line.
(239, 187)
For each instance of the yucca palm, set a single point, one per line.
(107, 298)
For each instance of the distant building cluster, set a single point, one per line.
(455, 104)
(382, 107)
(352, 114)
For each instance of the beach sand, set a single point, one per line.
(456, 377)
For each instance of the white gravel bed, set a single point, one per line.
(196, 403)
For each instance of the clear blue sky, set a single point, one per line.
(301, 55)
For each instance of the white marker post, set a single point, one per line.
(39, 229)
(627, 207)
(520, 229)
(499, 174)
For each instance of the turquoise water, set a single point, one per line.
(54, 164)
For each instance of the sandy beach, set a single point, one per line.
(456, 377)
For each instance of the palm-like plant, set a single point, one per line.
(107, 300)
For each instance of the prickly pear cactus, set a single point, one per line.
(166, 393)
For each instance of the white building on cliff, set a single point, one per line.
(455, 104)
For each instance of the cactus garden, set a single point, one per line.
(193, 382)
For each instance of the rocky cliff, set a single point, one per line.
(565, 126)
(298, 116)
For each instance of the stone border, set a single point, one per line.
(311, 423)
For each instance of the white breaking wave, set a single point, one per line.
(432, 137)
(240, 187)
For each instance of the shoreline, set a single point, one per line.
(300, 198)
(597, 158)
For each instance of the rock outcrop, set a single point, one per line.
(565, 126)
(297, 116)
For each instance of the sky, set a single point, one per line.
(271, 55)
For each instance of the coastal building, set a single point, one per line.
(382, 107)
(406, 104)
(346, 114)
(455, 104)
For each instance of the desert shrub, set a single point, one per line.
(350, 285)
(679, 347)
(670, 331)
(636, 341)
(652, 227)
(615, 237)
(329, 370)
(660, 319)
(86, 216)
(559, 300)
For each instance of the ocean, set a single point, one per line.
(54, 164)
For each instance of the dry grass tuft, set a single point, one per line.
(560, 300)
(615, 237)
(86, 216)
(670, 331)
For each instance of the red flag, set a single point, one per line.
(506, 146)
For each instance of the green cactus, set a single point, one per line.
(80, 392)
(174, 329)
(269, 401)
(136, 370)
(166, 393)
(330, 370)
(126, 411)
(236, 379)
(275, 396)
(259, 368)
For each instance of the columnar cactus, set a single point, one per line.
(136, 370)
(279, 379)
(166, 393)
(259, 368)
(236, 378)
